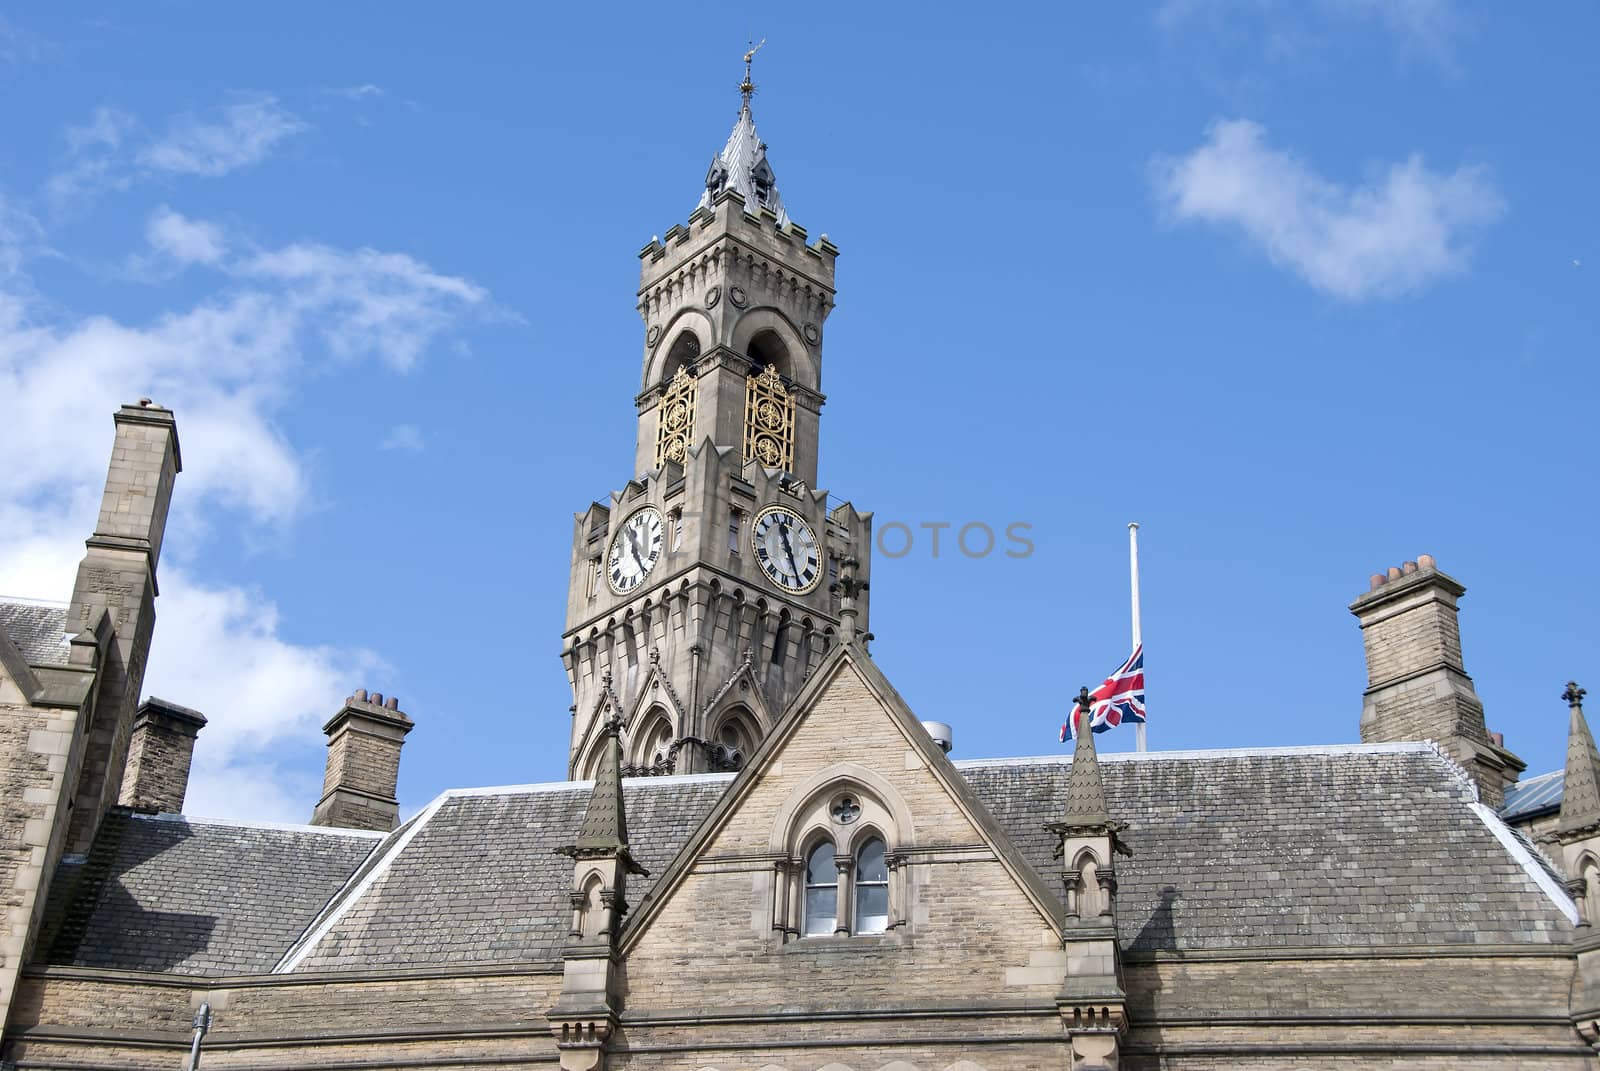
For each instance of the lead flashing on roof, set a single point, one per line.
(280, 827)
(585, 786)
(1519, 851)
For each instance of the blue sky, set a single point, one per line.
(1306, 289)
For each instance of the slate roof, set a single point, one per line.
(1379, 846)
(1534, 796)
(38, 629)
(185, 896)
(478, 880)
(1356, 845)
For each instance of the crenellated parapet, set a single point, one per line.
(671, 265)
(724, 298)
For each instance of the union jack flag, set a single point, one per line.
(1119, 699)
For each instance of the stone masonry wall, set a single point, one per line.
(107, 1019)
(35, 752)
(971, 929)
(363, 761)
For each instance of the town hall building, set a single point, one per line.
(761, 858)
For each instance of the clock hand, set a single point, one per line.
(633, 548)
(783, 534)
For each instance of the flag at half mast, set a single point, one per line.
(1119, 699)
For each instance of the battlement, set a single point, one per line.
(762, 231)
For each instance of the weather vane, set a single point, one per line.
(748, 87)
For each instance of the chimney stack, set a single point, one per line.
(364, 741)
(1417, 684)
(159, 754)
(116, 590)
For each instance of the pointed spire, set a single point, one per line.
(605, 821)
(1086, 795)
(1580, 798)
(742, 163)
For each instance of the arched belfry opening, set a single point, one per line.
(684, 352)
(769, 403)
(767, 349)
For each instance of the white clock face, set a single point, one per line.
(635, 550)
(787, 549)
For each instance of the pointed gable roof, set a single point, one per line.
(847, 657)
(1580, 801)
(742, 166)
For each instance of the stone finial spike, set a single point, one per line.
(1580, 799)
(848, 587)
(605, 821)
(1086, 796)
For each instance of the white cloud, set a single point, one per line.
(93, 165)
(16, 44)
(227, 365)
(1404, 228)
(1429, 26)
(407, 437)
(221, 651)
(186, 241)
(19, 234)
(362, 92)
(385, 305)
(242, 135)
(113, 149)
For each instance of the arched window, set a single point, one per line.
(685, 348)
(734, 739)
(654, 754)
(780, 639)
(822, 892)
(872, 888)
(837, 871)
(590, 909)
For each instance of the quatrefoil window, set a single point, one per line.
(845, 810)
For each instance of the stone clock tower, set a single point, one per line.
(705, 591)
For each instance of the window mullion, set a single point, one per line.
(847, 899)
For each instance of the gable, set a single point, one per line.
(962, 902)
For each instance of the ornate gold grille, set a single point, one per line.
(675, 418)
(769, 420)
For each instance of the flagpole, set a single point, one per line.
(1133, 574)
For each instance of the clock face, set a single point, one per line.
(635, 550)
(787, 549)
